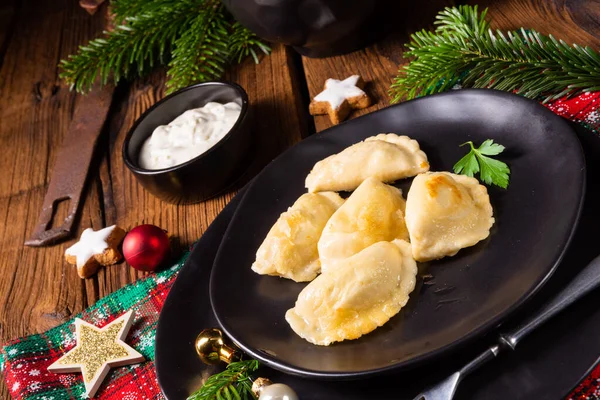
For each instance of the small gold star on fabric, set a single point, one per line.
(97, 350)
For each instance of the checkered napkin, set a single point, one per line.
(24, 361)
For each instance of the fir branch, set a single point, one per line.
(233, 383)
(463, 49)
(121, 9)
(201, 52)
(243, 43)
(197, 38)
(130, 48)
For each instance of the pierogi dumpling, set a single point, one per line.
(362, 294)
(373, 213)
(445, 213)
(290, 248)
(386, 157)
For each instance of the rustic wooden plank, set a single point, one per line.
(34, 114)
(573, 21)
(38, 289)
(576, 21)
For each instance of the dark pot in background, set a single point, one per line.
(316, 28)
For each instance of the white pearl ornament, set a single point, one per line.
(278, 391)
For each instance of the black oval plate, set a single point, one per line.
(472, 292)
(546, 365)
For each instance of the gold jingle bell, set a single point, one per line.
(211, 348)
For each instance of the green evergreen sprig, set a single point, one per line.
(464, 49)
(233, 383)
(244, 43)
(121, 9)
(197, 39)
(201, 50)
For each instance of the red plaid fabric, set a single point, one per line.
(24, 361)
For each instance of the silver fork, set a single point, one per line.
(583, 283)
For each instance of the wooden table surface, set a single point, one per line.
(38, 290)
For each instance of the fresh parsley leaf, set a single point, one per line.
(467, 165)
(489, 148)
(491, 171)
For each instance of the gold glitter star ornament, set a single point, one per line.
(98, 350)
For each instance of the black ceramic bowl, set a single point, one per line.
(207, 175)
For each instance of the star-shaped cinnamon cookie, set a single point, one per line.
(339, 98)
(95, 248)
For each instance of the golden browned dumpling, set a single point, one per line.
(290, 248)
(373, 213)
(361, 294)
(445, 213)
(386, 157)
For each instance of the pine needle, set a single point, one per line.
(122, 9)
(201, 51)
(463, 49)
(233, 383)
(197, 39)
(243, 43)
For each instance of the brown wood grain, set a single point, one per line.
(37, 291)
(573, 21)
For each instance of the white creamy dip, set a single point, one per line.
(189, 135)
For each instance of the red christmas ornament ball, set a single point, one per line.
(146, 247)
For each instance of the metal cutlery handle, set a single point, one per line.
(586, 281)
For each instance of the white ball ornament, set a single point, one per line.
(278, 391)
